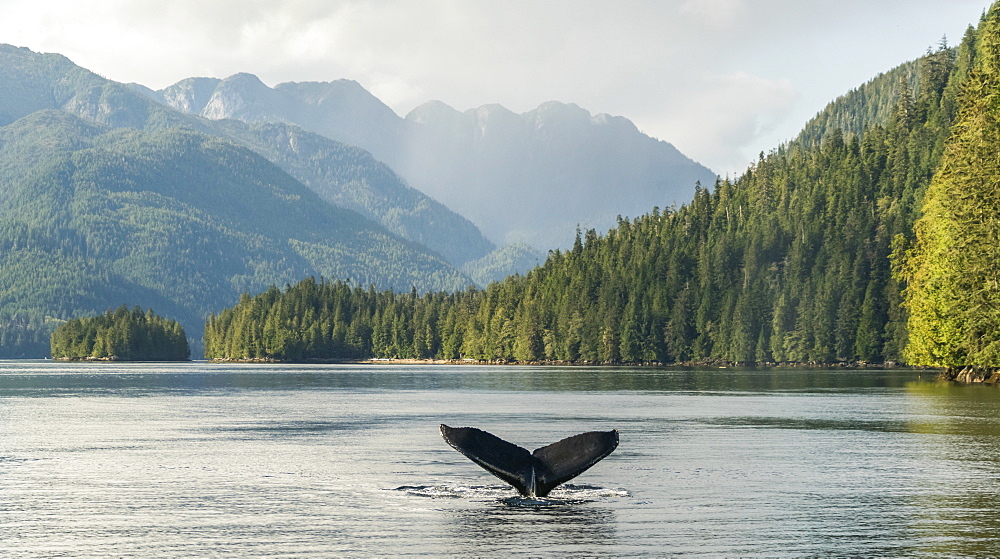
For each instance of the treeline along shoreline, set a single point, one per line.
(789, 263)
(507, 362)
(813, 256)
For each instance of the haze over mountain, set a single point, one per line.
(341, 174)
(531, 177)
(108, 198)
(797, 260)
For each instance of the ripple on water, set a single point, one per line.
(561, 496)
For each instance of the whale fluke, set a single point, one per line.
(533, 474)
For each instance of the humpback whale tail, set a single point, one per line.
(537, 473)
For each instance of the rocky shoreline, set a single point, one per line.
(971, 375)
(702, 364)
(115, 358)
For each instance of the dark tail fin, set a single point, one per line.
(562, 461)
(507, 461)
(532, 474)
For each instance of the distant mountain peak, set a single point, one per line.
(433, 111)
(559, 107)
(320, 91)
(491, 109)
(530, 177)
(190, 95)
(241, 94)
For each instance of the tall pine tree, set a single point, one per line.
(953, 272)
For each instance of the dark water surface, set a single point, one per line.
(197, 459)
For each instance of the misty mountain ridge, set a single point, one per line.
(531, 177)
(94, 217)
(343, 105)
(548, 170)
(342, 174)
(108, 198)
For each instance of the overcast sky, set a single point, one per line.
(720, 79)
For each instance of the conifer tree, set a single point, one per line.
(953, 272)
(787, 263)
(121, 334)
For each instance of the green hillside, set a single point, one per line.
(953, 269)
(342, 175)
(176, 220)
(788, 263)
(351, 178)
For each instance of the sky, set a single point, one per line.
(722, 80)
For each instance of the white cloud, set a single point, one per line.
(720, 79)
(717, 15)
(719, 122)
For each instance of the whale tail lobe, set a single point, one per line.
(533, 474)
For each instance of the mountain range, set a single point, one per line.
(344, 175)
(174, 219)
(110, 198)
(530, 178)
(112, 193)
(814, 255)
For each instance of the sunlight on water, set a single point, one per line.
(196, 459)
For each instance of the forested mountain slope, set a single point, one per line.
(872, 104)
(350, 177)
(953, 268)
(340, 174)
(875, 103)
(175, 220)
(788, 263)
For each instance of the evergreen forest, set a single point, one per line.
(121, 335)
(952, 270)
(788, 263)
(107, 197)
(177, 220)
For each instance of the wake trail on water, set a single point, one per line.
(567, 494)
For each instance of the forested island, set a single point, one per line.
(121, 335)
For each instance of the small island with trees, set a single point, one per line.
(121, 335)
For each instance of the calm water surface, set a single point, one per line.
(197, 459)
